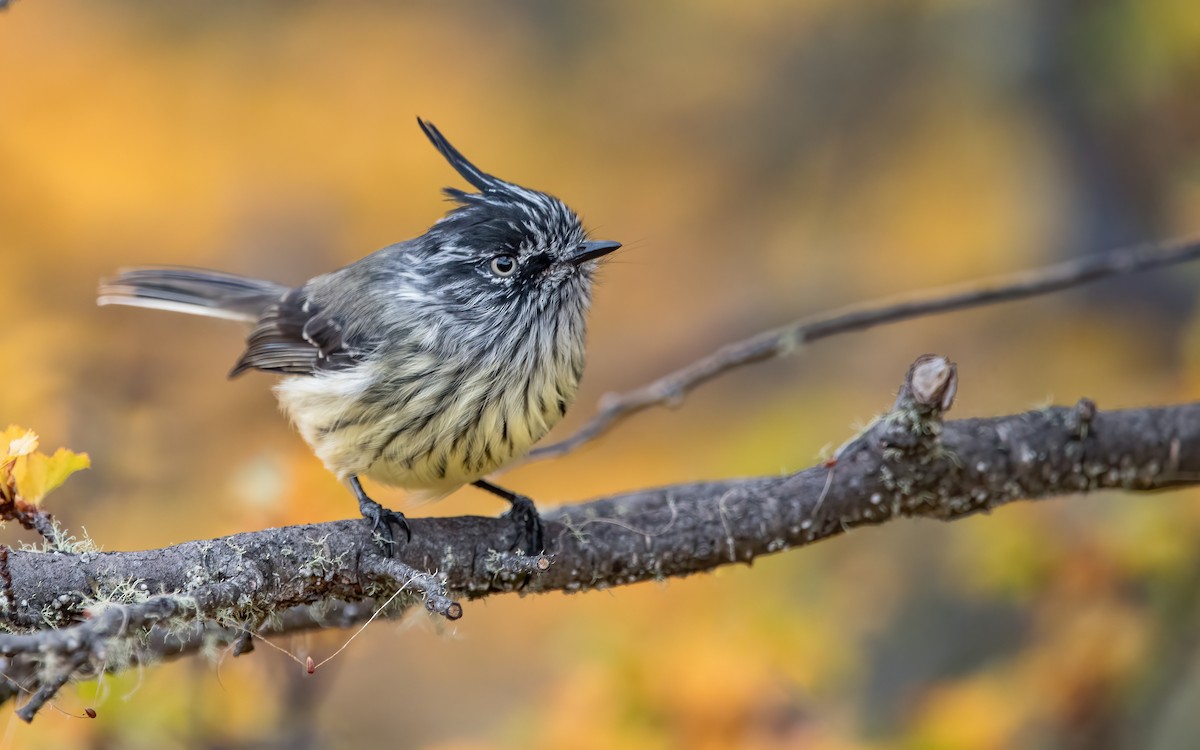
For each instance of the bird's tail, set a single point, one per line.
(193, 291)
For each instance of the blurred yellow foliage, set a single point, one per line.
(761, 161)
(981, 713)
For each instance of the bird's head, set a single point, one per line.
(506, 250)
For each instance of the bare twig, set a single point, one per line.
(49, 687)
(780, 342)
(428, 585)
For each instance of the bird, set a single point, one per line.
(428, 364)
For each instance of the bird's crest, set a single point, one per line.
(492, 189)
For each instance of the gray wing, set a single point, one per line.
(296, 337)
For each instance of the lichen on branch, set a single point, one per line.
(75, 612)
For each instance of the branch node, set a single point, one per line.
(914, 425)
(430, 585)
(929, 386)
(516, 564)
(440, 604)
(1079, 421)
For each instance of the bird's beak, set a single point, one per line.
(593, 250)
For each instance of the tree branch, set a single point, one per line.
(110, 610)
(670, 389)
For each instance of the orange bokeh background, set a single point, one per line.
(760, 162)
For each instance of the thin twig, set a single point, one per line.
(780, 342)
(50, 687)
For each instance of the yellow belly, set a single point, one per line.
(432, 441)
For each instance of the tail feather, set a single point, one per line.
(191, 290)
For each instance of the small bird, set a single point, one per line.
(428, 364)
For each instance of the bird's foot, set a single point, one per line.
(382, 519)
(529, 524)
(530, 528)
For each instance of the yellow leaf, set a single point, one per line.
(14, 443)
(37, 474)
(18, 441)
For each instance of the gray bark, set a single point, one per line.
(77, 613)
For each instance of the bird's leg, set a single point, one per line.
(381, 518)
(523, 513)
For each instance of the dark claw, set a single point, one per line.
(531, 528)
(524, 513)
(382, 519)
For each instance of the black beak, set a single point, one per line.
(593, 250)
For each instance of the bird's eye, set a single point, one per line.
(504, 265)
